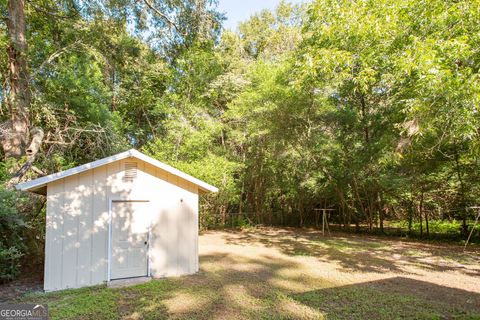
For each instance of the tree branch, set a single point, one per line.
(32, 150)
(20, 173)
(37, 139)
(52, 12)
(52, 57)
(163, 16)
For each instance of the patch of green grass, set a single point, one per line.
(311, 246)
(145, 301)
(86, 303)
(347, 245)
(459, 258)
(300, 252)
(161, 299)
(169, 299)
(414, 253)
(353, 302)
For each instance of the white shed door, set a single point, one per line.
(130, 225)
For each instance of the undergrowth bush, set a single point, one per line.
(244, 224)
(11, 241)
(9, 263)
(22, 228)
(436, 226)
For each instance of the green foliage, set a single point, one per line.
(452, 227)
(9, 263)
(244, 224)
(22, 227)
(12, 245)
(366, 107)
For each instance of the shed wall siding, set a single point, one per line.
(76, 250)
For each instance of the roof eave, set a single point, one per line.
(44, 181)
(211, 189)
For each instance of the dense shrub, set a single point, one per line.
(437, 226)
(22, 225)
(11, 241)
(9, 263)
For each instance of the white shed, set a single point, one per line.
(124, 216)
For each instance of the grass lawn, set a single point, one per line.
(292, 274)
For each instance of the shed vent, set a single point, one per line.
(130, 171)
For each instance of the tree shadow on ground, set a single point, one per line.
(254, 285)
(360, 254)
(393, 298)
(230, 286)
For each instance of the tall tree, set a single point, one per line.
(16, 131)
(171, 26)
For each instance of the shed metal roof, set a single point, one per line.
(43, 181)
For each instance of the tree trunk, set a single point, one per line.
(301, 208)
(381, 212)
(420, 213)
(369, 211)
(410, 219)
(16, 136)
(426, 223)
(411, 210)
(363, 107)
(355, 187)
(37, 138)
(356, 218)
(462, 192)
(345, 209)
(242, 191)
